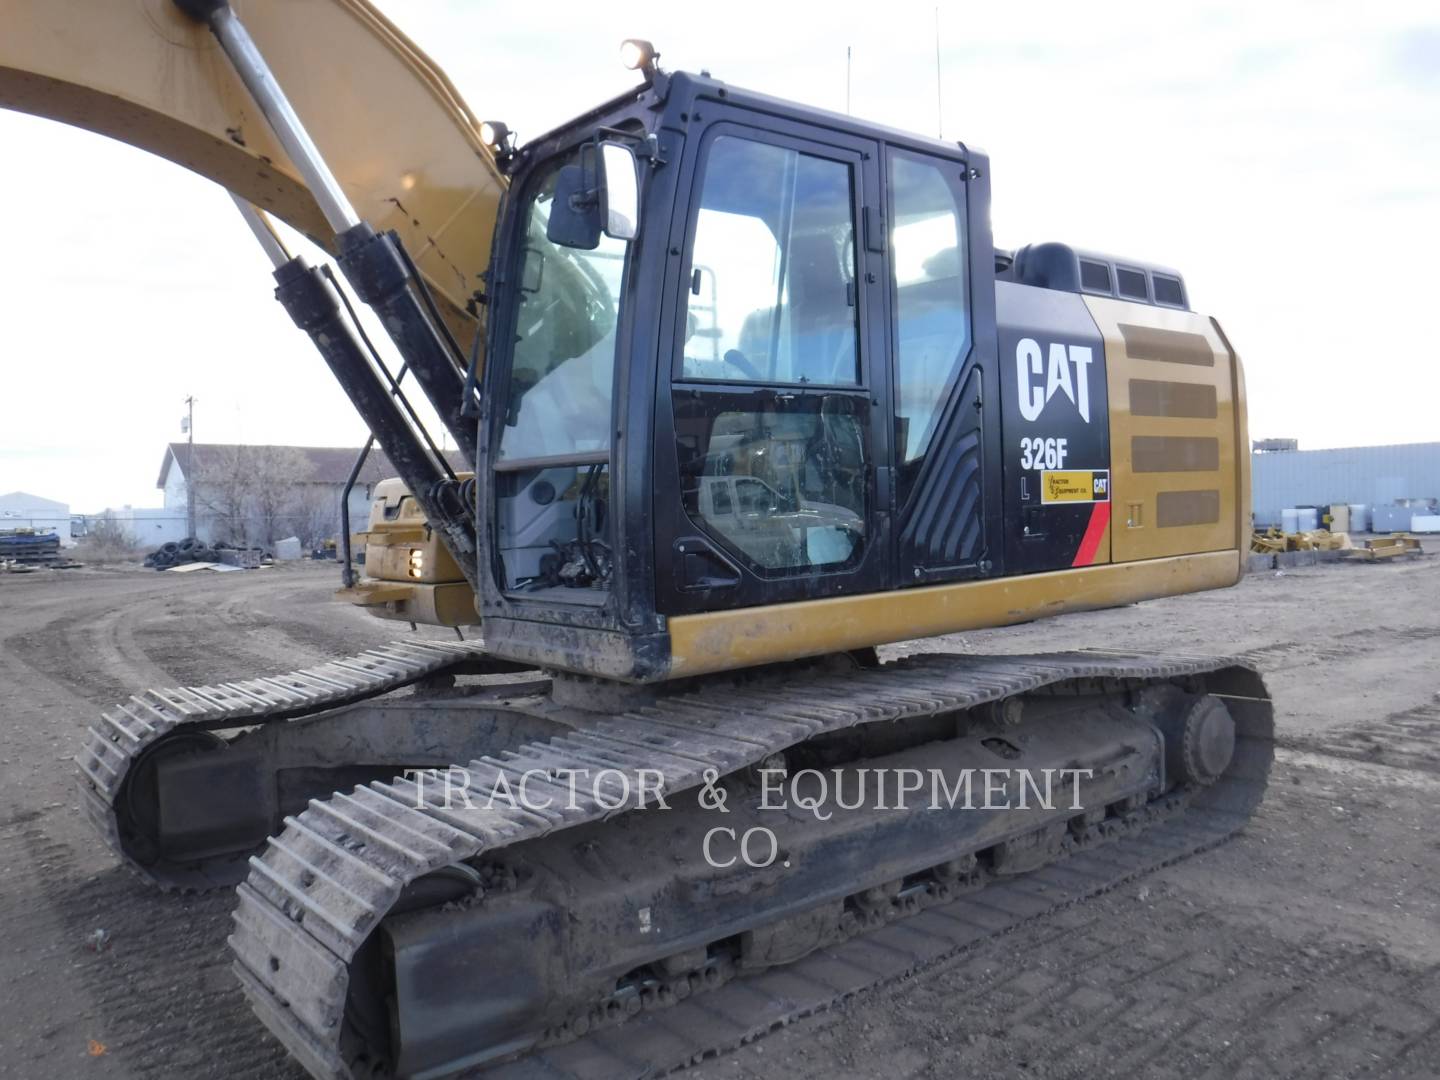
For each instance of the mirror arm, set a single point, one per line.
(647, 144)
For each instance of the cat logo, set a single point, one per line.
(1031, 362)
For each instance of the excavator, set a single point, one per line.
(746, 390)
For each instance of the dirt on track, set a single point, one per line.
(1308, 946)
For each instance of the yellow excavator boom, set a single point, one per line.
(397, 135)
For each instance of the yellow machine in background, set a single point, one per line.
(410, 573)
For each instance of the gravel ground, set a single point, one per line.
(1307, 946)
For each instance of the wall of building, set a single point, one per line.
(259, 494)
(359, 508)
(175, 489)
(1374, 475)
(20, 510)
(301, 510)
(151, 526)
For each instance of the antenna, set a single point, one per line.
(939, 103)
(847, 80)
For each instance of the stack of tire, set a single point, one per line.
(176, 553)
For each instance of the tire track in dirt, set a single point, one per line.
(115, 648)
(158, 992)
(1405, 740)
(160, 995)
(279, 623)
(1290, 655)
(77, 653)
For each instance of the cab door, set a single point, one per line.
(770, 408)
(944, 375)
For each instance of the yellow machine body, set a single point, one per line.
(410, 574)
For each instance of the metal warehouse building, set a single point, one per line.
(21, 511)
(1374, 475)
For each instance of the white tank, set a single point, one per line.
(1359, 517)
(1290, 520)
(1309, 519)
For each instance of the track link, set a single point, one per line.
(734, 1011)
(324, 884)
(127, 731)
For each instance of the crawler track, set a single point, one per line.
(125, 733)
(740, 1010)
(325, 883)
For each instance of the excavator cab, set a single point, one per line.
(705, 413)
(758, 386)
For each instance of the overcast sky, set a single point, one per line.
(1284, 156)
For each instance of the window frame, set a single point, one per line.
(743, 393)
(753, 399)
(907, 472)
(503, 334)
(765, 121)
(853, 160)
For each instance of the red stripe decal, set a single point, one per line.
(1090, 542)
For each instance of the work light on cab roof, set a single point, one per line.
(495, 134)
(637, 54)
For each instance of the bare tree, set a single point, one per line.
(107, 539)
(249, 492)
(317, 514)
(278, 474)
(221, 485)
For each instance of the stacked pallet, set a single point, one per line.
(29, 547)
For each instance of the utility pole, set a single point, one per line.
(189, 426)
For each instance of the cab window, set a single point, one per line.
(771, 295)
(771, 429)
(931, 290)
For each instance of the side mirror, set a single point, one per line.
(575, 211)
(599, 194)
(619, 191)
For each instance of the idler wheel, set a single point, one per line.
(1206, 743)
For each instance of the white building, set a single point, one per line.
(151, 526)
(19, 510)
(1377, 476)
(260, 494)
